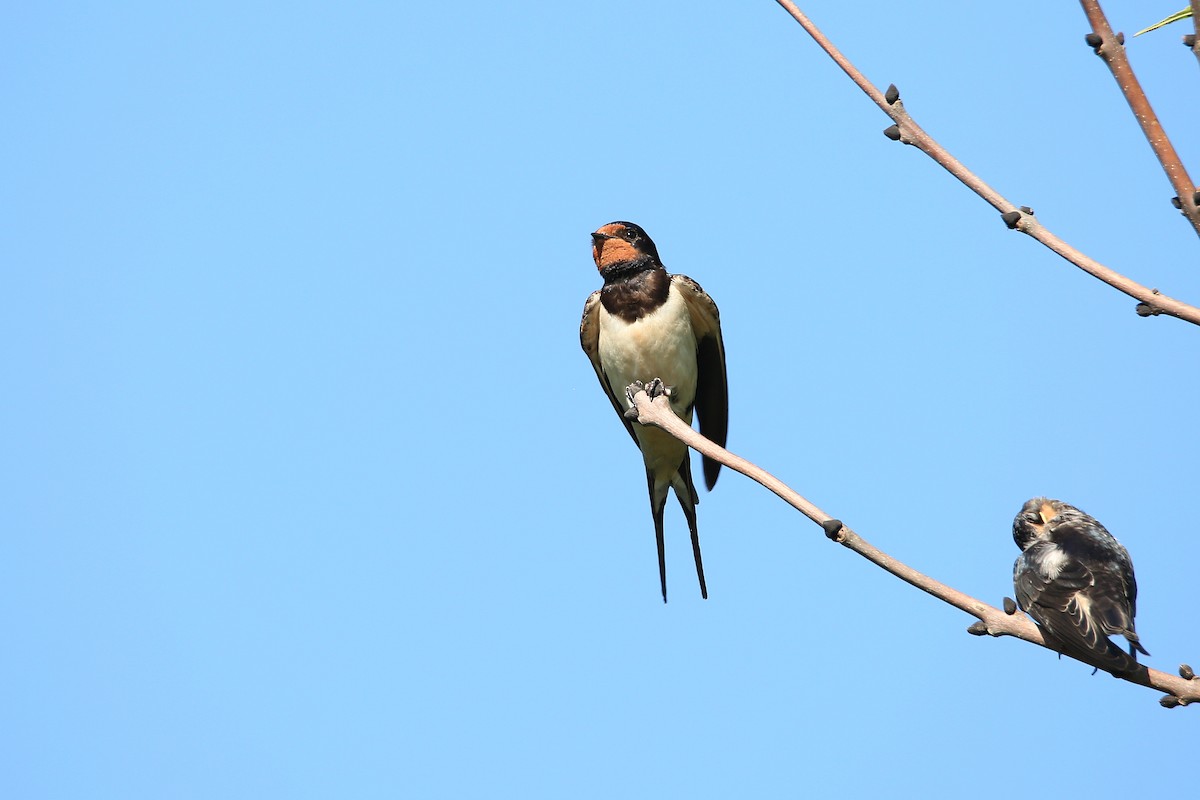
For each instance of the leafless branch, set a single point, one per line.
(1018, 218)
(992, 621)
(1111, 48)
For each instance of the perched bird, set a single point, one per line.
(1077, 582)
(645, 324)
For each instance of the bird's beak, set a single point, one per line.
(598, 240)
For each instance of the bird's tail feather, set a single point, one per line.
(685, 492)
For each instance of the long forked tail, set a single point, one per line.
(662, 551)
(685, 492)
(658, 503)
(687, 501)
(689, 511)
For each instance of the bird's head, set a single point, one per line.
(1030, 524)
(622, 243)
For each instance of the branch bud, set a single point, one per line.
(892, 132)
(1175, 201)
(832, 528)
(1186, 672)
(1010, 606)
(1189, 41)
(1011, 218)
(1168, 701)
(892, 94)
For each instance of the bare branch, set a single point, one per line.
(1111, 48)
(908, 131)
(992, 621)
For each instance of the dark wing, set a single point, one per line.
(1128, 581)
(1113, 594)
(712, 392)
(589, 337)
(1066, 607)
(1112, 608)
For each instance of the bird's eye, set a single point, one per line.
(1032, 518)
(630, 234)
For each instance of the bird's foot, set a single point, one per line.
(630, 392)
(656, 387)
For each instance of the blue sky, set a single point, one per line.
(310, 492)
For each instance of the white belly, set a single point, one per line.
(659, 345)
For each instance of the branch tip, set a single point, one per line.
(907, 131)
(892, 94)
(1186, 672)
(833, 528)
(1010, 606)
(1116, 59)
(1011, 218)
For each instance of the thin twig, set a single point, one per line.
(908, 131)
(992, 621)
(1111, 48)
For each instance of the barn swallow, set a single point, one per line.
(645, 324)
(1076, 580)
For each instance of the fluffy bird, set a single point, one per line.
(647, 325)
(1076, 580)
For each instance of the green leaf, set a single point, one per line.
(1178, 15)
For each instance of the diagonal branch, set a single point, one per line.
(1019, 218)
(992, 621)
(1111, 48)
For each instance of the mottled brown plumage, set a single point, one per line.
(1076, 581)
